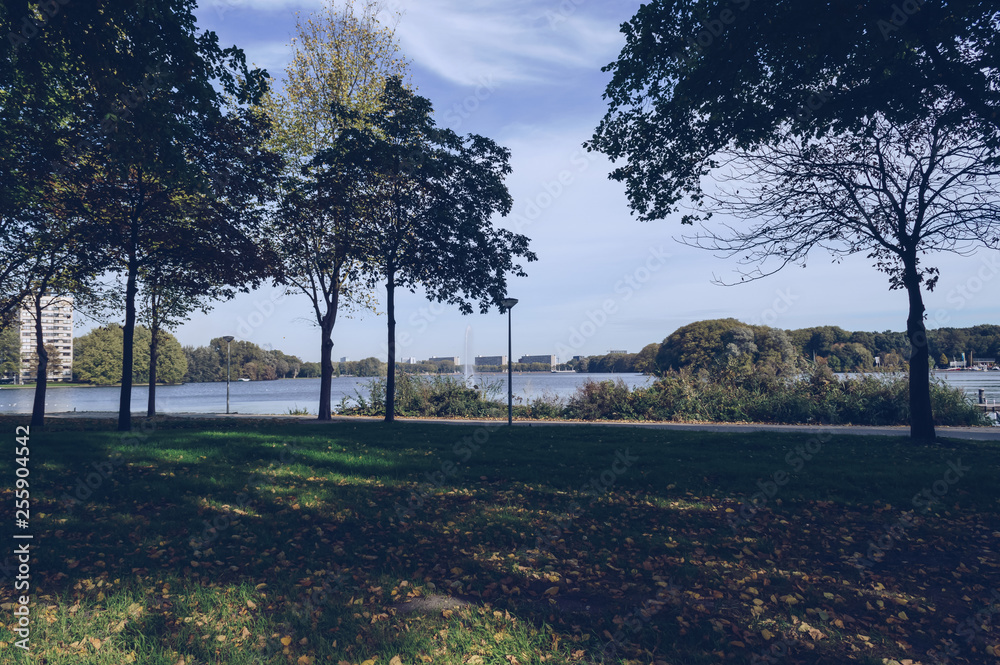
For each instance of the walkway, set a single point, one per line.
(967, 433)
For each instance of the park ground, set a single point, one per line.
(263, 542)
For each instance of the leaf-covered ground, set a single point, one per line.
(360, 543)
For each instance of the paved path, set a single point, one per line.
(968, 433)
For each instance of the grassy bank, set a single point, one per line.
(263, 543)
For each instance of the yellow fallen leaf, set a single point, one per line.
(474, 660)
(304, 660)
(446, 613)
(252, 605)
(456, 571)
(551, 591)
(285, 641)
(370, 661)
(96, 643)
(395, 660)
(766, 634)
(244, 633)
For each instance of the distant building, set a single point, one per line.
(441, 359)
(617, 352)
(344, 359)
(579, 357)
(57, 331)
(408, 361)
(494, 361)
(545, 360)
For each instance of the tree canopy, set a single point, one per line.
(97, 356)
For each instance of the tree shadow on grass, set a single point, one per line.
(313, 546)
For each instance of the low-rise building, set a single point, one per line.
(544, 360)
(441, 359)
(491, 361)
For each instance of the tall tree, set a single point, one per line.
(695, 76)
(341, 59)
(895, 192)
(427, 197)
(177, 154)
(698, 79)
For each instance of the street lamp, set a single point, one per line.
(229, 339)
(508, 304)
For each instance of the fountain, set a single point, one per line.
(468, 371)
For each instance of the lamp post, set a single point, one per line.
(229, 339)
(508, 304)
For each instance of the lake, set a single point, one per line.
(278, 397)
(271, 397)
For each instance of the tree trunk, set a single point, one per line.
(326, 368)
(390, 377)
(154, 350)
(921, 418)
(42, 369)
(125, 400)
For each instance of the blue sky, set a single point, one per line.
(528, 74)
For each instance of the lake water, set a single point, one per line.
(274, 397)
(278, 397)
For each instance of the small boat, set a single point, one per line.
(242, 379)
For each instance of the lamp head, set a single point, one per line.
(508, 302)
(229, 338)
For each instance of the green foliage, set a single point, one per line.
(438, 396)
(97, 357)
(208, 363)
(729, 346)
(823, 399)
(10, 350)
(679, 94)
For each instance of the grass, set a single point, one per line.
(264, 543)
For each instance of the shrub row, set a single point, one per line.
(682, 397)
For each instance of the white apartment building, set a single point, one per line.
(57, 330)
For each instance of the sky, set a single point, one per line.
(527, 73)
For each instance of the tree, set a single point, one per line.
(894, 192)
(154, 143)
(697, 76)
(98, 357)
(10, 347)
(53, 362)
(645, 360)
(797, 71)
(427, 196)
(341, 59)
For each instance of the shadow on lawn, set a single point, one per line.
(196, 523)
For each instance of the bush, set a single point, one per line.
(729, 395)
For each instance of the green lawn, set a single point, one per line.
(256, 542)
